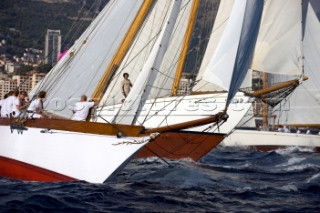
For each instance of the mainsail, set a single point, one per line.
(303, 106)
(80, 71)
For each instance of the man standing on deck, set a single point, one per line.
(82, 108)
(126, 85)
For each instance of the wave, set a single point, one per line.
(294, 149)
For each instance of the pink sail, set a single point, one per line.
(62, 55)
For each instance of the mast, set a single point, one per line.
(187, 38)
(122, 50)
(265, 106)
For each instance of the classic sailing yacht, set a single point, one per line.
(161, 112)
(301, 52)
(64, 150)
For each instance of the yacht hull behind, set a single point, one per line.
(266, 141)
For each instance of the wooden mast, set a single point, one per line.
(265, 106)
(122, 50)
(187, 38)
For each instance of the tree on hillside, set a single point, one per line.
(24, 69)
(45, 68)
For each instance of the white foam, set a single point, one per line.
(291, 161)
(314, 177)
(294, 149)
(289, 188)
(301, 167)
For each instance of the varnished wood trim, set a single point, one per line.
(78, 126)
(212, 119)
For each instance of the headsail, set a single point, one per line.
(229, 65)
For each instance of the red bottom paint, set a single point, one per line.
(177, 145)
(10, 168)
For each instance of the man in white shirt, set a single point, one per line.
(82, 108)
(8, 104)
(36, 106)
(2, 102)
(20, 104)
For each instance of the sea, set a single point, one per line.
(225, 180)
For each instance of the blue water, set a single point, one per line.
(226, 180)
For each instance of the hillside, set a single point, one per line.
(23, 23)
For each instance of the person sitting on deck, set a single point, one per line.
(20, 103)
(286, 129)
(2, 102)
(82, 108)
(36, 106)
(8, 103)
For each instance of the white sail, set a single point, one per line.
(230, 63)
(221, 65)
(303, 106)
(143, 85)
(278, 48)
(220, 23)
(141, 48)
(80, 74)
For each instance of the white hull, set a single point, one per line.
(265, 140)
(174, 110)
(92, 158)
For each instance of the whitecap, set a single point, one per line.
(289, 188)
(313, 178)
(291, 161)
